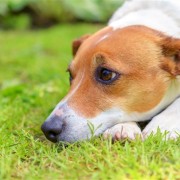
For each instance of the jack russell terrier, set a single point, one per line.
(127, 72)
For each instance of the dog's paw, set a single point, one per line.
(129, 130)
(172, 134)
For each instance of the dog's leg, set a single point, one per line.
(128, 130)
(167, 121)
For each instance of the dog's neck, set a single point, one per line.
(153, 14)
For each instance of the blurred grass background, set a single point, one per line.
(25, 14)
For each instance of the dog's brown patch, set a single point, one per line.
(136, 52)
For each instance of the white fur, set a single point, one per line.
(162, 15)
(102, 38)
(168, 120)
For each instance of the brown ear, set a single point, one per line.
(77, 43)
(171, 52)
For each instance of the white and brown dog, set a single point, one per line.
(128, 72)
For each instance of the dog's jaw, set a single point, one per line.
(80, 128)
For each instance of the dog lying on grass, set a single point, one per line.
(128, 72)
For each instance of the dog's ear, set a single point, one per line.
(171, 54)
(77, 43)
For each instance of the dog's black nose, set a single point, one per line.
(52, 128)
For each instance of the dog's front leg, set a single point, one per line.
(128, 130)
(167, 121)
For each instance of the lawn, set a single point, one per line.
(33, 79)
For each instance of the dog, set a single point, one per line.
(127, 72)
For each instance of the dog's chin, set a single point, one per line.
(78, 129)
(83, 131)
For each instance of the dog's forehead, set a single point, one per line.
(124, 44)
(91, 44)
(115, 39)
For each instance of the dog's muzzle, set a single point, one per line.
(64, 124)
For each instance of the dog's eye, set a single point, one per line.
(70, 77)
(105, 75)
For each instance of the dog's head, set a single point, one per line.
(127, 74)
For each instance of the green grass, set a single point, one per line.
(32, 81)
